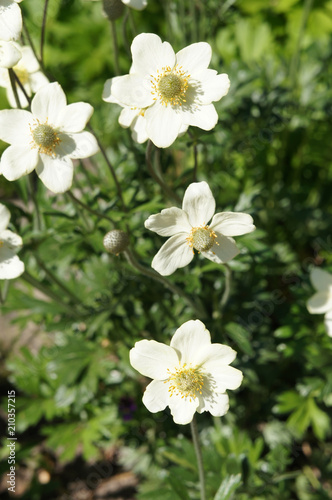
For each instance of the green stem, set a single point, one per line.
(33, 48)
(86, 207)
(49, 293)
(14, 89)
(42, 37)
(56, 280)
(296, 56)
(18, 81)
(227, 289)
(198, 308)
(111, 168)
(198, 451)
(124, 32)
(115, 47)
(33, 186)
(158, 179)
(4, 291)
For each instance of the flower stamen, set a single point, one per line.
(45, 138)
(202, 238)
(170, 85)
(186, 381)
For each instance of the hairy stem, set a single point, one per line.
(198, 451)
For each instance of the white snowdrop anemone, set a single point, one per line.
(28, 71)
(189, 375)
(10, 20)
(188, 230)
(172, 91)
(9, 55)
(321, 301)
(47, 139)
(10, 243)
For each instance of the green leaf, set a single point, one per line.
(228, 487)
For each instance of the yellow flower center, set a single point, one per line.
(22, 74)
(45, 138)
(186, 381)
(202, 238)
(170, 86)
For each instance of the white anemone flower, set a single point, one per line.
(10, 20)
(10, 243)
(174, 90)
(189, 375)
(9, 55)
(29, 74)
(47, 139)
(188, 230)
(321, 301)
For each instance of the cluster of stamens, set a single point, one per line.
(169, 86)
(45, 138)
(202, 238)
(186, 382)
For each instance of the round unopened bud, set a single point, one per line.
(116, 241)
(113, 9)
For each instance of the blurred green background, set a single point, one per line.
(80, 419)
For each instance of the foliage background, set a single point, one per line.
(78, 399)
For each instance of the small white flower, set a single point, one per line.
(321, 301)
(10, 243)
(10, 20)
(47, 139)
(189, 230)
(189, 375)
(9, 54)
(29, 74)
(172, 91)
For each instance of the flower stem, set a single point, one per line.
(198, 451)
(42, 37)
(86, 207)
(18, 81)
(111, 168)
(115, 47)
(14, 89)
(227, 290)
(158, 179)
(198, 308)
(4, 291)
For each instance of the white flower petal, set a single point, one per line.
(21, 97)
(215, 356)
(127, 116)
(37, 80)
(328, 323)
(28, 62)
(136, 4)
(4, 218)
(175, 253)
(14, 126)
(17, 161)
(320, 279)
(224, 251)
(156, 396)
(182, 409)
(10, 20)
(132, 90)
(320, 302)
(107, 91)
(81, 145)
(9, 54)
(213, 87)
(224, 377)
(217, 404)
(55, 173)
(163, 124)
(74, 117)
(138, 128)
(170, 221)
(153, 359)
(190, 339)
(195, 58)
(232, 223)
(150, 54)
(204, 117)
(11, 241)
(11, 268)
(199, 203)
(48, 104)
